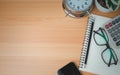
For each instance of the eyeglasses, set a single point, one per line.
(108, 54)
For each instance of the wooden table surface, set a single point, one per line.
(37, 39)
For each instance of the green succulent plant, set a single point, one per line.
(114, 4)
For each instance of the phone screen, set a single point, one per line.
(69, 69)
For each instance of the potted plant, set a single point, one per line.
(107, 5)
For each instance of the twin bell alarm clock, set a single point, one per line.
(77, 8)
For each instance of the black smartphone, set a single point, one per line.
(69, 69)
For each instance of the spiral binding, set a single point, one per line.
(86, 39)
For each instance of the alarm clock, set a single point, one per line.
(77, 8)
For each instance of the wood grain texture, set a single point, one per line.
(37, 39)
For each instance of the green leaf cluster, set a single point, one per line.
(114, 4)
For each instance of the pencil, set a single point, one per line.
(89, 41)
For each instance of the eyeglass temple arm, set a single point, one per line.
(97, 33)
(101, 34)
(114, 56)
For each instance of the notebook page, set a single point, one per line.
(95, 63)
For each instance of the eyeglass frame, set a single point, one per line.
(112, 55)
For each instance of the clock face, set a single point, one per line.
(79, 5)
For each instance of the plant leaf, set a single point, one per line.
(114, 7)
(116, 1)
(110, 3)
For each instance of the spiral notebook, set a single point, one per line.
(95, 63)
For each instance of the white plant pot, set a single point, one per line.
(102, 9)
